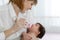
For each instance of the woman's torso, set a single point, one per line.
(7, 20)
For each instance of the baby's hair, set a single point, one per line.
(42, 31)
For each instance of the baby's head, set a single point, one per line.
(38, 29)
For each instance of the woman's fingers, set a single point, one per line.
(21, 21)
(26, 36)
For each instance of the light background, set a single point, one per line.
(47, 12)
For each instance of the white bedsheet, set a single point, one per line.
(51, 36)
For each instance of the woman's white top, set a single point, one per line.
(7, 20)
(2, 36)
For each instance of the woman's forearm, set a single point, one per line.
(17, 26)
(11, 31)
(8, 32)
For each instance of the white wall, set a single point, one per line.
(47, 12)
(3, 2)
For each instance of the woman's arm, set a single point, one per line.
(11, 30)
(5, 34)
(18, 25)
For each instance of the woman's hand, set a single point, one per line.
(21, 22)
(26, 36)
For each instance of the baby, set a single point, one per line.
(34, 32)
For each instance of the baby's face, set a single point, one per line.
(34, 28)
